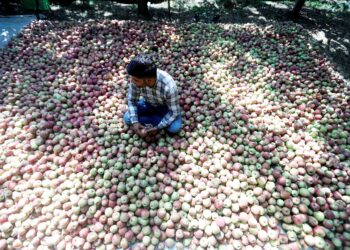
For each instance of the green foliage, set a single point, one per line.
(190, 5)
(180, 5)
(209, 5)
(331, 5)
(208, 10)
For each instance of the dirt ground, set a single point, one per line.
(330, 29)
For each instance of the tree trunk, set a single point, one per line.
(37, 9)
(297, 8)
(169, 9)
(142, 7)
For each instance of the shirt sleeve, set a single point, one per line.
(172, 101)
(133, 97)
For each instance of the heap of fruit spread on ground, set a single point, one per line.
(262, 160)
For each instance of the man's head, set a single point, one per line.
(143, 71)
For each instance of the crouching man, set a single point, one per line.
(153, 101)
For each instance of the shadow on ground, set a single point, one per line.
(327, 28)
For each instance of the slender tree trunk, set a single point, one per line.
(297, 8)
(169, 13)
(37, 9)
(142, 7)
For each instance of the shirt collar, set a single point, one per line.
(157, 80)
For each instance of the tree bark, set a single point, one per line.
(37, 9)
(169, 13)
(297, 8)
(142, 7)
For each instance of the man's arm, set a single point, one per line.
(133, 97)
(174, 108)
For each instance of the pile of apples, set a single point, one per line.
(262, 160)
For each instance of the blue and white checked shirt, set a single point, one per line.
(163, 93)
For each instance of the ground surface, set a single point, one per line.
(10, 26)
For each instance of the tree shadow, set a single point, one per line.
(285, 87)
(327, 28)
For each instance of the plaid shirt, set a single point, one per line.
(163, 93)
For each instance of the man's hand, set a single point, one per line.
(150, 134)
(151, 131)
(139, 129)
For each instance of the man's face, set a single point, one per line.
(143, 82)
(139, 82)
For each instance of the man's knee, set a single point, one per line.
(127, 118)
(175, 126)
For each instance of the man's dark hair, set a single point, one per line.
(142, 66)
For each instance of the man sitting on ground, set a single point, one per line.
(153, 101)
